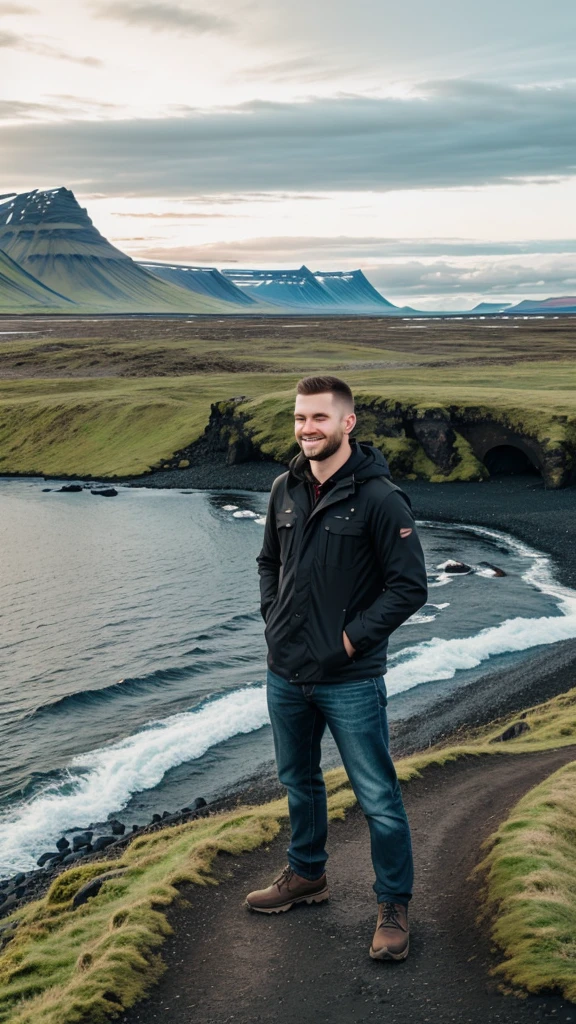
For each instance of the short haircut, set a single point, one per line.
(321, 385)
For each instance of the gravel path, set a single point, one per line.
(311, 965)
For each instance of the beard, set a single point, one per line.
(331, 446)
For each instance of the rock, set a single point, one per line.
(135, 828)
(80, 840)
(62, 845)
(92, 888)
(199, 802)
(166, 814)
(76, 855)
(45, 490)
(9, 903)
(55, 860)
(18, 892)
(71, 488)
(116, 827)
(516, 729)
(45, 857)
(18, 879)
(106, 492)
(102, 842)
(4, 883)
(155, 819)
(186, 810)
(455, 567)
(495, 569)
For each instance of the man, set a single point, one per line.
(341, 567)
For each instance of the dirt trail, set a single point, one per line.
(311, 965)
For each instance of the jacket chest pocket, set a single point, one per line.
(342, 541)
(286, 526)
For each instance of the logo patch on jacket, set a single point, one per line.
(405, 532)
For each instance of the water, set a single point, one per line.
(132, 656)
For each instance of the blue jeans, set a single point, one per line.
(355, 713)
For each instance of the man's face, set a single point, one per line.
(320, 423)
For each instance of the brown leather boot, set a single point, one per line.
(391, 938)
(286, 890)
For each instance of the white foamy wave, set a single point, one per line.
(438, 658)
(112, 774)
(245, 514)
(441, 659)
(261, 521)
(229, 508)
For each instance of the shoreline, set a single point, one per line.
(500, 504)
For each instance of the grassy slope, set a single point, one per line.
(83, 966)
(117, 426)
(531, 887)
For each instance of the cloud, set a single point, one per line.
(175, 215)
(492, 279)
(163, 17)
(447, 134)
(313, 250)
(12, 41)
(6, 9)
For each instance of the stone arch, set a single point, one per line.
(509, 460)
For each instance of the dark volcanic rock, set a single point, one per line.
(496, 570)
(92, 888)
(62, 844)
(102, 842)
(107, 492)
(45, 857)
(72, 488)
(452, 568)
(83, 839)
(516, 729)
(116, 827)
(199, 802)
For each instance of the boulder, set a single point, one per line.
(116, 827)
(106, 492)
(514, 730)
(92, 888)
(45, 857)
(18, 879)
(71, 488)
(102, 842)
(54, 861)
(452, 568)
(80, 840)
(155, 819)
(75, 855)
(199, 802)
(62, 844)
(495, 568)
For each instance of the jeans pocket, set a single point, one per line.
(381, 691)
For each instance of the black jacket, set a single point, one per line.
(353, 561)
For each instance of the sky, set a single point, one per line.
(432, 145)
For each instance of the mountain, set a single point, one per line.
(301, 291)
(290, 290)
(561, 304)
(51, 237)
(201, 280)
(352, 290)
(22, 293)
(490, 307)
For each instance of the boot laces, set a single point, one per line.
(390, 917)
(285, 876)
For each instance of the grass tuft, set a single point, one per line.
(530, 873)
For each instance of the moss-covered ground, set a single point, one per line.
(115, 397)
(530, 870)
(84, 966)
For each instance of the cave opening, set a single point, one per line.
(508, 460)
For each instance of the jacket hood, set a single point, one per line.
(365, 461)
